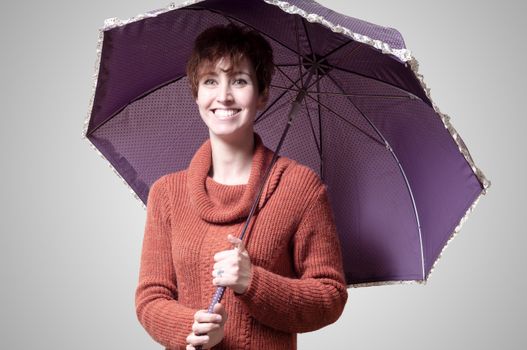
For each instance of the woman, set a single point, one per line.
(289, 277)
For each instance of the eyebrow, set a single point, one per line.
(237, 72)
(226, 71)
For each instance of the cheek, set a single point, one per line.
(203, 99)
(248, 98)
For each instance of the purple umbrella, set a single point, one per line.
(400, 179)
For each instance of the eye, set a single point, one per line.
(208, 81)
(240, 81)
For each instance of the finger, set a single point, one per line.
(215, 270)
(204, 328)
(196, 340)
(224, 278)
(221, 281)
(222, 265)
(237, 242)
(205, 317)
(190, 347)
(220, 311)
(219, 256)
(198, 314)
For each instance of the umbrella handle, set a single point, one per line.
(216, 298)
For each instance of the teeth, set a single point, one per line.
(225, 113)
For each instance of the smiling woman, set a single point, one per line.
(229, 72)
(289, 277)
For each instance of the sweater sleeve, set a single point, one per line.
(167, 321)
(317, 297)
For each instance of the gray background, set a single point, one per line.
(71, 232)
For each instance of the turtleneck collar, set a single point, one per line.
(219, 203)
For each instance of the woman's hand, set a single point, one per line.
(207, 329)
(232, 267)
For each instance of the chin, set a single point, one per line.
(230, 133)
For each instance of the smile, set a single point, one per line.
(225, 113)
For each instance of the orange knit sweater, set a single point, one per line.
(297, 282)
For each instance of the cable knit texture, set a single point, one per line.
(297, 283)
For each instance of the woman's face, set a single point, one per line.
(228, 98)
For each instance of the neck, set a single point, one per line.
(231, 160)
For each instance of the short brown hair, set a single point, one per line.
(236, 43)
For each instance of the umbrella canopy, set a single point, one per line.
(400, 179)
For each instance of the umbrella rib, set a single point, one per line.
(229, 18)
(379, 81)
(345, 120)
(338, 48)
(307, 35)
(408, 187)
(261, 116)
(310, 73)
(348, 95)
(286, 65)
(385, 142)
(283, 87)
(298, 53)
(146, 93)
(320, 130)
(313, 129)
(287, 76)
(294, 83)
(319, 77)
(290, 88)
(361, 95)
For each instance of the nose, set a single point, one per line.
(224, 93)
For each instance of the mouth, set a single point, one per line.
(225, 113)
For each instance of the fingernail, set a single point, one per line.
(218, 318)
